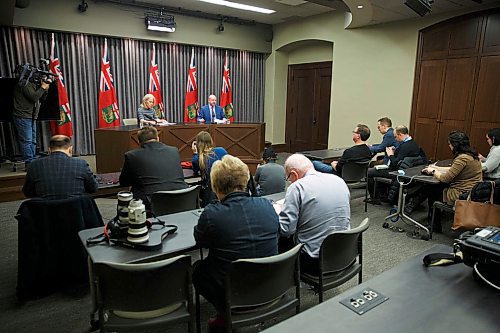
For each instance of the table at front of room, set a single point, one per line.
(421, 299)
(243, 140)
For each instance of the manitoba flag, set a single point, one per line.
(191, 101)
(154, 86)
(63, 125)
(226, 97)
(108, 104)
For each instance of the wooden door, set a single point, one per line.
(487, 103)
(445, 95)
(308, 106)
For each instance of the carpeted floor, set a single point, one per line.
(383, 249)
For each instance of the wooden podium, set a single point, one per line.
(245, 140)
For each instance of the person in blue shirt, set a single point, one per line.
(205, 154)
(212, 113)
(385, 128)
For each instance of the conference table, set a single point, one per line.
(108, 184)
(409, 176)
(420, 299)
(324, 155)
(180, 242)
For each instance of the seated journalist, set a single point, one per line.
(152, 167)
(407, 151)
(316, 204)
(237, 226)
(59, 175)
(464, 172)
(388, 140)
(360, 152)
(270, 176)
(491, 163)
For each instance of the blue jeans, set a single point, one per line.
(26, 133)
(322, 167)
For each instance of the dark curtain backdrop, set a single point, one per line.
(80, 57)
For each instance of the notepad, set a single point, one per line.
(278, 205)
(381, 167)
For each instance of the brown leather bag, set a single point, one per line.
(471, 214)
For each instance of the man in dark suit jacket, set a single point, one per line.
(211, 113)
(152, 167)
(59, 176)
(407, 148)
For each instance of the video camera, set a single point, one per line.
(29, 73)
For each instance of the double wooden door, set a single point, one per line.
(308, 106)
(457, 82)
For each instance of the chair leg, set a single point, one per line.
(432, 221)
(320, 292)
(198, 319)
(366, 195)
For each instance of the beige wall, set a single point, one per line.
(373, 67)
(373, 72)
(109, 19)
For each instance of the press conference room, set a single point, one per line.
(291, 76)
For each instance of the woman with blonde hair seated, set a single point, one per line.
(146, 113)
(237, 227)
(205, 154)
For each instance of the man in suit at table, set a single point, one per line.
(59, 175)
(212, 113)
(152, 167)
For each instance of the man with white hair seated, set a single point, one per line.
(316, 204)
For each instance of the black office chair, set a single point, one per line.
(170, 202)
(256, 289)
(340, 259)
(51, 256)
(355, 174)
(144, 296)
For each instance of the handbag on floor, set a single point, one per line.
(471, 214)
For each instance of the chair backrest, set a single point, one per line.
(130, 121)
(143, 287)
(170, 202)
(50, 254)
(253, 282)
(340, 249)
(354, 171)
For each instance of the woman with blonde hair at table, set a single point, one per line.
(205, 154)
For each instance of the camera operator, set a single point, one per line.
(26, 106)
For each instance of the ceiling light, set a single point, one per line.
(360, 6)
(240, 6)
(163, 23)
(421, 7)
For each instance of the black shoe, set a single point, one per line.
(372, 201)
